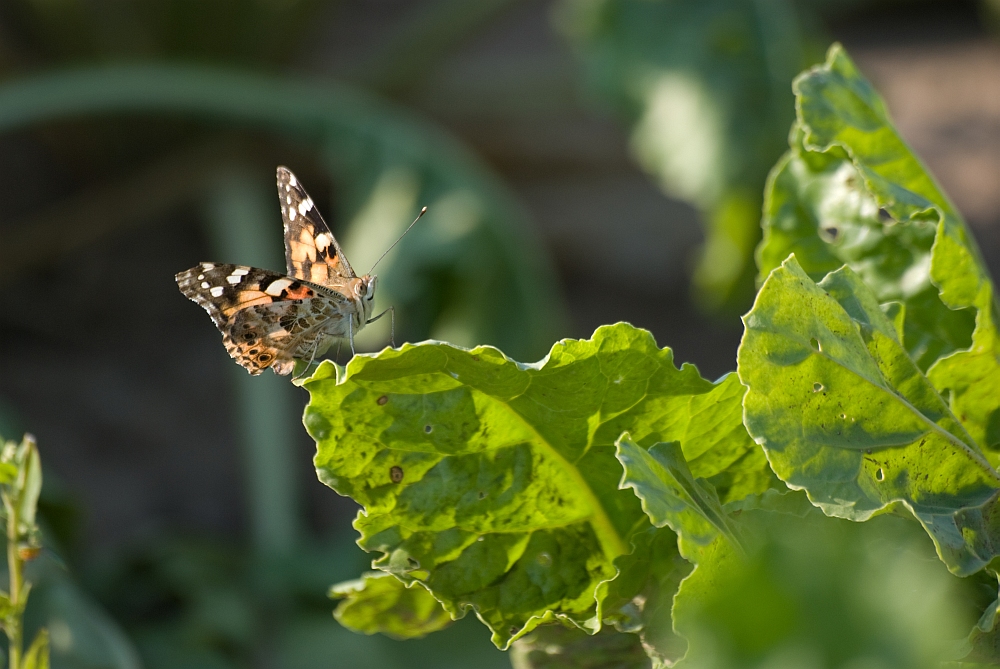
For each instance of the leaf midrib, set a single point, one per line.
(948, 436)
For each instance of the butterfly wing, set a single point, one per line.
(266, 319)
(311, 251)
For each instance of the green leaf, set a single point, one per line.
(818, 592)
(984, 640)
(670, 495)
(37, 655)
(640, 599)
(8, 472)
(495, 483)
(851, 191)
(381, 603)
(844, 413)
(558, 647)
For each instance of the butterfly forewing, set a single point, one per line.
(311, 251)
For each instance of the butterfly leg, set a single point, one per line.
(392, 324)
(312, 358)
(350, 334)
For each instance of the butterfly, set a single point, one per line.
(270, 320)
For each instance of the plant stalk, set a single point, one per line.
(15, 567)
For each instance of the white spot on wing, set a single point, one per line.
(305, 206)
(201, 277)
(204, 284)
(291, 213)
(217, 291)
(208, 267)
(274, 290)
(240, 272)
(322, 240)
(234, 279)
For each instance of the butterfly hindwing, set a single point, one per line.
(311, 251)
(267, 319)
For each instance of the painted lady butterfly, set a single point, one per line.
(268, 319)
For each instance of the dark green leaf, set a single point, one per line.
(381, 603)
(558, 647)
(640, 599)
(818, 592)
(494, 483)
(844, 413)
(984, 641)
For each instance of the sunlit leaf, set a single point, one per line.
(380, 603)
(670, 494)
(844, 413)
(495, 483)
(851, 191)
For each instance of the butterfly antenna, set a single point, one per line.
(422, 212)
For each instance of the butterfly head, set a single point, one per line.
(366, 293)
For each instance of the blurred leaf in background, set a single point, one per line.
(817, 592)
(706, 89)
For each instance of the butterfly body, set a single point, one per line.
(268, 319)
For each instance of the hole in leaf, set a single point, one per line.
(880, 475)
(830, 234)
(885, 218)
(412, 562)
(843, 416)
(482, 495)
(382, 400)
(396, 473)
(815, 344)
(428, 428)
(817, 387)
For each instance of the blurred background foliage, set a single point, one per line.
(141, 136)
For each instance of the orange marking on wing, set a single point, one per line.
(301, 293)
(303, 250)
(262, 299)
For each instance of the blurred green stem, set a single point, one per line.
(15, 566)
(242, 218)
